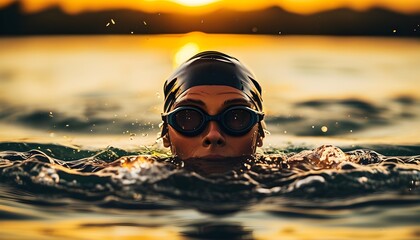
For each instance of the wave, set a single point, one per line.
(115, 178)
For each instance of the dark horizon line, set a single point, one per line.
(210, 33)
(56, 6)
(269, 21)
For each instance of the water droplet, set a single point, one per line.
(145, 23)
(51, 114)
(280, 33)
(324, 128)
(112, 20)
(363, 179)
(107, 24)
(285, 132)
(351, 131)
(313, 126)
(67, 125)
(131, 32)
(137, 196)
(394, 31)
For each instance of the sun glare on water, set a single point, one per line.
(185, 52)
(194, 3)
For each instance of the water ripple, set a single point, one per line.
(115, 179)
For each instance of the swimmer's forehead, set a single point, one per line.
(220, 95)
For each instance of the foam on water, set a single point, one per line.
(323, 174)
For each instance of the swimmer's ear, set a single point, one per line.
(260, 140)
(166, 141)
(261, 135)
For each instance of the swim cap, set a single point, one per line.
(211, 68)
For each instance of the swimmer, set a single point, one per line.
(213, 120)
(213, 109)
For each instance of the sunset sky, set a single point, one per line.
(202, 6)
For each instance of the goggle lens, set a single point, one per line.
(188, 119)
(237, 119)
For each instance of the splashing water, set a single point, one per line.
(323, 183)
(325, 173)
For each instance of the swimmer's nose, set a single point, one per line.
(213, 136)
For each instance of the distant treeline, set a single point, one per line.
(341, 22)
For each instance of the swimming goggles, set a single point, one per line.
(191, 121)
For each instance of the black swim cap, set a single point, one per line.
(211, 68)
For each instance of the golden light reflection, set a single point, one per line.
(95, 228)
(291, 69)
(185, 52)
(84, 229)
(201, 6)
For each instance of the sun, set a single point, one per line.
(194, 3)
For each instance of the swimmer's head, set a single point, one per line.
(212, 84)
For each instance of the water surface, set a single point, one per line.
(147, 194)
(77, 112)
(109, 88)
